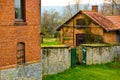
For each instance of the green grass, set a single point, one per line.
(50, 41)
(110, 71)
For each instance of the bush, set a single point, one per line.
(93, 38)
(66, 38)
(56, 35)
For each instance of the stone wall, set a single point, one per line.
(55, 59)
(99, 54)
(117, 53)
(24, 72)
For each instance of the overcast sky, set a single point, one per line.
(65, 2)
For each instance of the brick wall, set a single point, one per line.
(10, 34)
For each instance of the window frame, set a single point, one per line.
(80, 23)
(23, 12)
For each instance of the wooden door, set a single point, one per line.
(80, 39)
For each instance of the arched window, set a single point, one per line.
(20, 53)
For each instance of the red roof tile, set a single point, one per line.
(100, 19)
(109, 23)
(116, 21)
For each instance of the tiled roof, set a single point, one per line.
(58, 28)
(99, 19)
(109, 23)
(116, 21)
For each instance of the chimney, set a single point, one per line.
(95, 8)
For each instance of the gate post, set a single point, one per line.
(84, 50)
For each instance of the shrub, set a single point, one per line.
(93, 38)
(66, 38)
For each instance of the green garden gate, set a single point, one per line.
(73, 57)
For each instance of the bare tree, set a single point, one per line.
(67, 12)
(116, 5)
(87, 5)
(106, 8)
(72, 9)
(49, 21)
(77, 5)
(111, 7)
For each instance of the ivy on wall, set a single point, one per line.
(66, 38)
(91, 38)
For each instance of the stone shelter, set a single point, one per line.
(73, 31)
(19, 38)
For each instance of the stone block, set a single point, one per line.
(26, 72)
(55, 60)
(89, 56)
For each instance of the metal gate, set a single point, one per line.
(73, 57)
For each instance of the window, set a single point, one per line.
(80, 22)
(20, 10)
(20, 53)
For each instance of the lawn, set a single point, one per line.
(109, 71)
(51, 42)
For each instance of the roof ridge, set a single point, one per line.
(98, 18)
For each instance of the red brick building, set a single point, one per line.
(19, 32)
